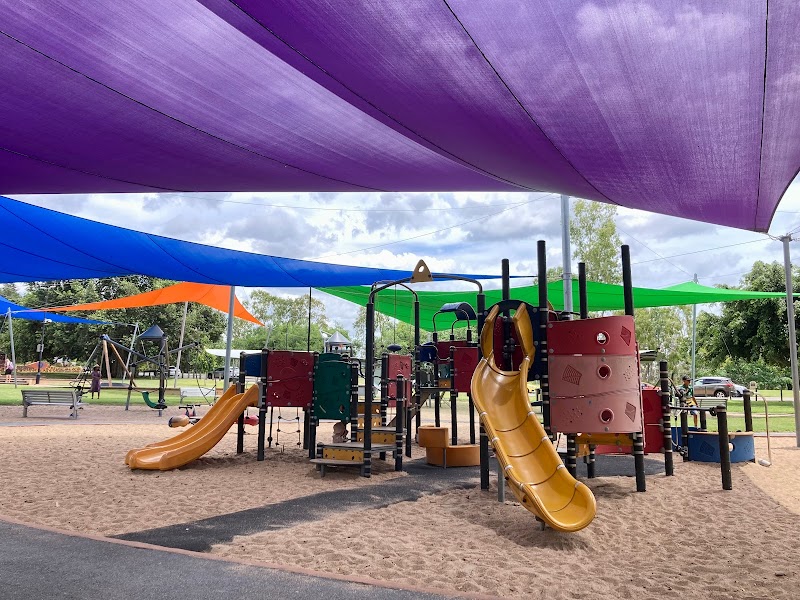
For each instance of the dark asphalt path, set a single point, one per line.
(37, 564)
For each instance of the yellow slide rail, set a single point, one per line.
(529, 460)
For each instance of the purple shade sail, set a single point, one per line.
(687, 109)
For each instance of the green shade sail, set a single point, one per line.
(399, 303)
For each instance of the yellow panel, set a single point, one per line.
(353, 455)
(605, 439)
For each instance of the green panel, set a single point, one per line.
(332, 390)
(399, 303)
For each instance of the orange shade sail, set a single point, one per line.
(215, 296)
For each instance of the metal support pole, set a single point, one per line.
(544, 315)
(40, 349)
(685, 435)
(787, 266)
(694, 336)
(572, 454)
(262, 404)
(666, 419)
(240, 420)
(637, 437)
(483, 439)
(308, 344)
(229, 339)
(724, 448)
(748, 411)
(180, 344)
(368, 391)
(130, 350)
(453, 399)
(398, 422)
(501, 482)
(582, 292)
(566, 254)
(13, 351)
(416, 345)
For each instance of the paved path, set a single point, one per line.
(36, 564)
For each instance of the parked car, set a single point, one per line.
(719, 387)
(738, 390)
(173, 371)
(220, 373)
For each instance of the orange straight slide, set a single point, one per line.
(197, 440)
(531, 464)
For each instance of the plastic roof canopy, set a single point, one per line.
(688, 109)
(399, 303)
(41, 245)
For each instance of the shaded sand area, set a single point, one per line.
(684, 536)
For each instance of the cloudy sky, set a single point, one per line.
(452, 232)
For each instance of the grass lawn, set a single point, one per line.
(781, 414)
(9, 396)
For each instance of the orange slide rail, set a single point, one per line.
(200, 438)
(530, 462)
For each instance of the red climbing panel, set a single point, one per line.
(399, 364)
(290, 378)
(593, 368)
(466, 360)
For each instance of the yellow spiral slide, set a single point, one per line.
(198, 439)
(532, 467)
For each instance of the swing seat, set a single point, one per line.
(151, 404)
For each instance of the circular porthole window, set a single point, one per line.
(606, 415)
(602, 338)
(604, 372)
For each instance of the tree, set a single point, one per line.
(286, 321)
(665, 329)
(388, 331)
(751, 329)
(593, 234)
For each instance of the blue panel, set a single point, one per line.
(252, 365)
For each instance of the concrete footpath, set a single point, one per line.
(38, 563)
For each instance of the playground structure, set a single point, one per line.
(437, 368)
(588, 371)
(160, 361)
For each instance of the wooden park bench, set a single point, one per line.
(189, 394)
(71, 398)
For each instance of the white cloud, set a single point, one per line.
(664, 250)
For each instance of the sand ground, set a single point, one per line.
(684, 536)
